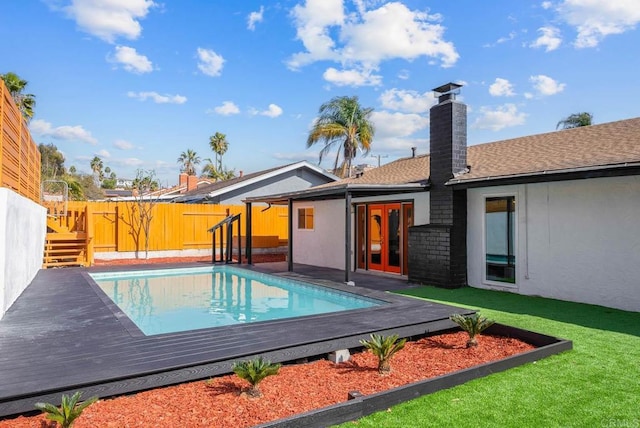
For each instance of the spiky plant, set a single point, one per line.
(384, 348)
(68, 411)
(254, 371)
(473, 324)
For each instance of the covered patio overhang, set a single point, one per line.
(346, 191)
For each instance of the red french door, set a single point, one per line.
(384, 238)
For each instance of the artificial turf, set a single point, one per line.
(597, 384)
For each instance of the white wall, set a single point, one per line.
(324, 246)
(575, 240)
(23, 227)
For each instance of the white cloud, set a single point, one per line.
(501, 88)
(404, 74)
(407, 101)
(226, 109)
(210, 63)
(109, 19)
(549, 39)
(273, 111)
(362, 40)
(255, 17)
(397, 124)
(594, 19)
(352, 77)
(499, 118)
(122, 145)
(545, 85)
(546, 5)
(131, 60)
(157, 98)
(66, 132)
(103, 153)
(512, 35)
(135, 162)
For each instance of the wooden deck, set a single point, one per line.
(62, 336)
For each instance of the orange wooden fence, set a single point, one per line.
(175, 226)
(19, 155)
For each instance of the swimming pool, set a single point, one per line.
(174, 300)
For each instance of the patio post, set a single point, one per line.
(290, 231)
(248, 232)
(347, 236)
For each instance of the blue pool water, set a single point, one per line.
(173, 300)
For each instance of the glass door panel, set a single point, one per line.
(376, 237)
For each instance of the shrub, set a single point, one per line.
(473, 324)
(68, 411)
(254, 371)
(384, 348)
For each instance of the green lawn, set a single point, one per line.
(597, 384)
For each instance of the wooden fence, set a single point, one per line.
(19, 155)
(174, 226)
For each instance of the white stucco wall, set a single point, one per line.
(575, 240)
(324, 245)
(23, 226)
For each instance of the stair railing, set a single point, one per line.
(226, 255)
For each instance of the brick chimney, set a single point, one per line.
(182, 181)
(192, 182)
(438, 251)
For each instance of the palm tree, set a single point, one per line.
(576, 120)
(189, 160)
(343, 121)
(219, 145)
(96, 167)
(25, 102)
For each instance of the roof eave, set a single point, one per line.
(628, 168)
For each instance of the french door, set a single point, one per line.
(384, 237)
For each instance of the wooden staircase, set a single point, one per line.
(68, 241)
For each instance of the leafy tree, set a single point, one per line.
(72, 169)
(189, 160)
(52, 162)
(88, 189)
(16, 86)
(343, 122)
(473, 325)
(209, 170)
(68, 411)
(255, 371)
(384, 348)
(219, 145)
(576, 120)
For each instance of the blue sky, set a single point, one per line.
(137, 82)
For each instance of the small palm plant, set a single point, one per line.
(384, 348)
(68, 411)
(473, 324)
(254, 371)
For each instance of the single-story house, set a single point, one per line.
(287, 178)
(553, 214)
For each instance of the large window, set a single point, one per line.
(305, 218)
(500, 239)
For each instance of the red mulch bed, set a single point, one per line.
(298, 388)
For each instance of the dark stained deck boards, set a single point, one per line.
(60, 336)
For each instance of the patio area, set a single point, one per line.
(60, 336)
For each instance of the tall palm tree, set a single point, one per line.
(25, 102)
(96, 167)
(576, 120)
(344, 122)
(219, 145)
(189, 160)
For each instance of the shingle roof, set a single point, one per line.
(209, 188)
(607, 144)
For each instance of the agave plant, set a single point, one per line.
(384, 348)
(254, 371)
(473, 324)
(68, 411)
